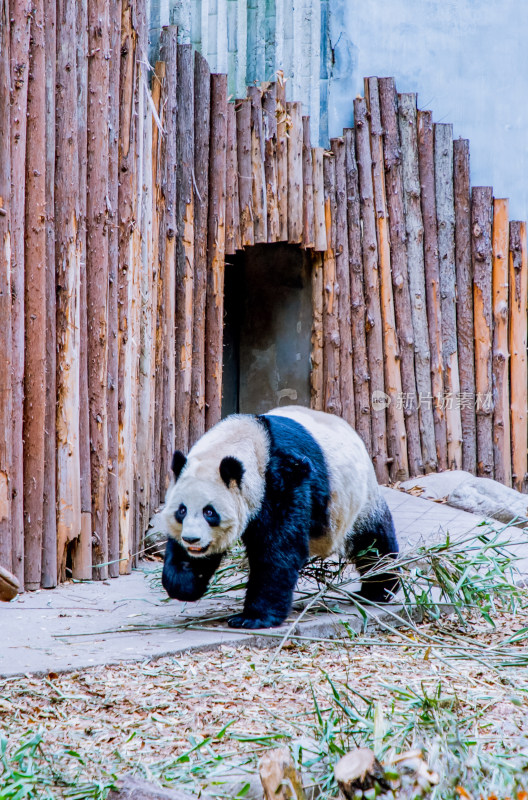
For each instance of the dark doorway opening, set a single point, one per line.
(267, 329)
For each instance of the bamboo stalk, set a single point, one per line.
(184, 242)
(282, 160)
(269, 110)
(308, 199)
(481, 246)
(233, 242)
(431, 266)
(400, 279)
(518, 272)
(396, 433)
(318, 200)
(245, 193)
(331, 343)
(357, 296)
(295, 174)
(258, 182)
(445, 214)
(373, 325)
(202, 112)
(6, 543)
(464, 280)
(501, 354)
(216, 251)
(317, 373)
(346, 379)
(68, 276)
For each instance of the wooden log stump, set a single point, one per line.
(269, 118)
(308, 199)
(318, 200)
(245, 180)
(233, 242)
(317, 371)
(282, 160)
(9, 585)
(518, 273)
(331, 342)
(359, 771)
(295, 174)
(501, 353)
(258, 180)
(279, 777)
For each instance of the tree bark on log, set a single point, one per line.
(232, 203)
(68, 278)
(357, 295)
(346, 375)
(373, 324)
(501, 354)
(308, 199)
(282, 161)
(396, 433)
(245, 192)
(316, 372)
(280, 780)
(464, 285)
(214, 320)
(202, 114)
(295, 174)
(518, 270)
(318, 200)
(6, 540)
(481, 247)
(400, 278)
(269, 111)
(445, 215)
(184, 242)
(432, 269)
(331, 367)
(258, 181)
(20, 11)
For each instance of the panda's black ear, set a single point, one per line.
(231, 469)
(178, 463)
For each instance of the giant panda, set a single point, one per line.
(292, 483)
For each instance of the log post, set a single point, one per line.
(318, 200)
(20, 13)
(232, 203)
(400, 278)
(202, 113)
(346, 379)
(269, 112)
(372, 295)
(280, 780)
(464, 281)
(331, 343)
(518, 271)
(445, 216)
(214, 320)
(258, 180)
(501, 353)
(6, 544)
(68, 277)
(245, 192)
(357, 295)
(282, 160)
(295, 174)
(308, 200)
(184, 242)
(396, 433)
(429, 234)
(317, 372)
(481, 250)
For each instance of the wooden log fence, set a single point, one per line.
(113, 240)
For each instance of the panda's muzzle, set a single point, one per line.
(190, 544)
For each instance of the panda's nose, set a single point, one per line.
(190, 539)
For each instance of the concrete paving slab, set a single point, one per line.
(87, 624)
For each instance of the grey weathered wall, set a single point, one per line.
(468, 61)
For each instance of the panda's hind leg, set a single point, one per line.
(373, 537)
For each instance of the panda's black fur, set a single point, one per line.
(288, 520)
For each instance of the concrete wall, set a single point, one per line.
(468, 61)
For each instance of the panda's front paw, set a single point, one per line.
(241, 621)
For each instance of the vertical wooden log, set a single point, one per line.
(318, 200)
(82, 547)
(357, 296)
(245, 181)
(431, 264)
(317, 372)
(295, 174)
(113, 270)
(396, 433)
(331, 344)
(202, 113)
(232, 203)
(35, 303)
(282, 160)
(346, 380)
(501, 354)
(258, 182)
(518, 271)
(400, 278)
(6, 544)
(20, 14)
(184, 242)
(168, 249)
(372, 295)
(445, 215)
(481, 216)
(68, 275)
(308, 199)
(214, 322)
(269, 112)
(464, 283)
(49, 516)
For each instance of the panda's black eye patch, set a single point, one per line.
(180, 513)
(211, 516)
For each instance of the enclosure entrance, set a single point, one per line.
(267, 329)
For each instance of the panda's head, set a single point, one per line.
(205, 510)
